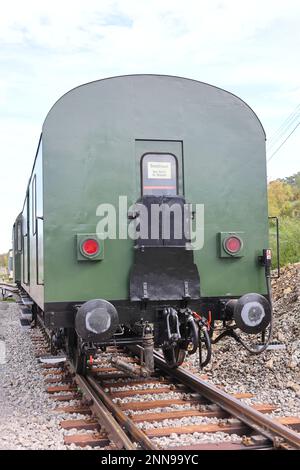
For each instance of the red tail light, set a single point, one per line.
(233, 244)
(90, 247)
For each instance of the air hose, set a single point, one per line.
(202, 327)
(207, 341)
(194, 333)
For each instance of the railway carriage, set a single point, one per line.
(112, 150)
(17, 250)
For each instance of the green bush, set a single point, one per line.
(289, 240)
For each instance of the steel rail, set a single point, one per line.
(121, 417)
(280, 435)
(8, 288)
(111, 426)
(9, 285)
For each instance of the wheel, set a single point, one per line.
(80, 362)
(70, 342)
(174, 356)
(75, 353)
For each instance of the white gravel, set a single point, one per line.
(273, 377)
(176, 440)
(146, 386)
(27, 419)
(149, 398)
(27, 416)
(179, 423)
(174, 407)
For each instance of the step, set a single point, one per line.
(87, 424)
(148, 391)
(141, 405)
(132, 382)
(262, 445)
(236, 428)
(292, 421)
(25, 312)
(83, 440)
(54, 380)
(56, 371)
(178, 414)
(25, 324)
(61, 388)
(80, 409)
(48, 359)
(67, 397)
(53, 366)
(27, 301)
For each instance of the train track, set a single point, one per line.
(120, 412)
(7, 288)
(275, 434)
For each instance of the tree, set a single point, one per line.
(289, 240)
(293, 180)
(280, 195)
(3, 260)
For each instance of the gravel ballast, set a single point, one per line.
(27, 420)
(274, 376)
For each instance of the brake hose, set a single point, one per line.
(196, 333)
(208, 347)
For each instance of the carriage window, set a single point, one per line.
(25, 222)
(159, 174)
(33, 196)
(19, 236)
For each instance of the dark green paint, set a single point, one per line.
(93, 139)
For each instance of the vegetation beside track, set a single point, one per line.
(284, 203)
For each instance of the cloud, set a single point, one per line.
(19, 138)
(48, 47)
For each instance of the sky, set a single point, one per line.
(250, 48)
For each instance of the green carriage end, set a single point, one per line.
(91, 151)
